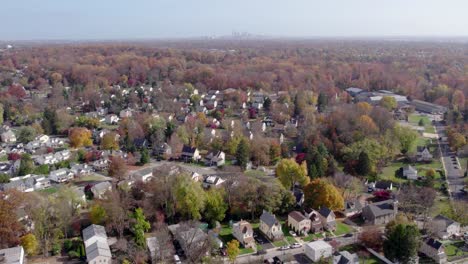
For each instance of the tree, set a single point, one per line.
(97, 214)
(388, 102)
(367, 124)
(371, 236)
(190, 197)
(26, 134)
(322, 102)
(406, 136)
(267, 103)
(456, 140)
(145, 157)
(232, 249)
(26, 165)
(109, 141)
(139, 227)
(50, 121)
(320, 193)
(1, 114)
(243, 153)
(364, 166)
(117, 167)
(80, 137)
(215, 209)
(10, 227)
(402, 243)
(289, 172)
(421, 122)
(30, 244)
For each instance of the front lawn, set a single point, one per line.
(280, 243)
(415, 118)
(312, 237)
(455, 250)
(244, 251)
(388, 173)
(287, 235)
(342, 229)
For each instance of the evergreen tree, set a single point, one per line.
(26, 165)
(267, 103)
(50, 121)
(364, 166)
(316, 161)
(243, 153)
(322, 102)
(144, 156)
(402, 243)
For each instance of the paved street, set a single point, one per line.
(451, 165)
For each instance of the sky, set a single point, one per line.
(157, 19)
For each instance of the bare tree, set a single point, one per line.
(195, 243)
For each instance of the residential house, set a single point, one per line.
(352, 207)
(423, 154)
(100, 164)
(212, 181)
(215, 159)
(61, 175)
(43, 139)
(190, 154)
(318, 250)
(158, 249)
(112, 119)
(190, 238)
(8, 136)
(79, 170)
(434, 249)
(96, 245)
(14, 255)
(164, 150)
(299, 223)
(380, 213)
(270, 226)
(126, 113)
(410, 172)
(243, 232)
(344, 257)
(27, 183)
(381, 186)
(100, 189)
(447, 227)
(143, 175)
(315, 220)
(299, 195)
(328, 218)
(353, 91)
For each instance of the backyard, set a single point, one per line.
(454, 250)
(415, 118)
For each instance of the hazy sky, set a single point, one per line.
(132, 19)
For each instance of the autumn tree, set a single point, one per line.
(26, 165)
(97, 214)
(109, 141)
(371, 236)
(80, 137)
(289, 172)
(117, 167)
(320, 193)
(388, 102)
(406, 136)
(10, 227)
(26, 134)
(233, 250)
(30, 244)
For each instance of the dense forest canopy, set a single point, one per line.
(429, 71)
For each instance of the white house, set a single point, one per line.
(434, 249)
(100, 189)
(423, 154)
(446, 227)
(96, 245)
(112, 119)
(215, 159)
(13, 255)
(317, 250)
(243, 232)
(143, 175)
(60, 175)
(410, 172)
(299, 222)
(8, 136)
(212, 181)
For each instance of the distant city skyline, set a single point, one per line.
(160, 19)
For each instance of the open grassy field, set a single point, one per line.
(415, 118)
(342, 228)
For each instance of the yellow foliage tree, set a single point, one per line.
(320, 193)
(289, 172)
(80, 137)
(30, 244)
(109, 141)
(233, 250)
(366, 124)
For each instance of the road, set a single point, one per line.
(451, 165)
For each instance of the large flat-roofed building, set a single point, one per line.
(427, 107)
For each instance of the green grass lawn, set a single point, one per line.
(414, 119)
(48, 191)
(454, 250)
(244, 251)
(342, 229)
(287, 235)
(441, 206)
(280, 243)
(388, 173)
(312, 237)
(369, 260)
(4, 158)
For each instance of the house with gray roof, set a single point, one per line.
(96, 245)
(143, 175)
(270, 226)
(448, 227)
(410, 172)
(344, 257)
(328, 218)
(434, 249)
(380, 213)
(100, 189)
(14, 255)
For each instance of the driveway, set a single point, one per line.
(263, 241)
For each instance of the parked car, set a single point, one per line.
(284, 248)
(261, 252)
(292, 233)
(348, 235)
(177, 259)
(296, 245)
(328, 239)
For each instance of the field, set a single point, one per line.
(388, 173)
(415, 118)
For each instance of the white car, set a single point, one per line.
(296, 245)
(284, 248)
(292, 233)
